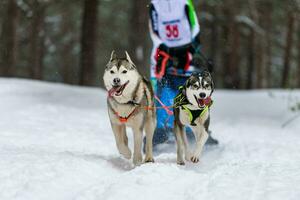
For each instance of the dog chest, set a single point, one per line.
(188, 118)
(126, 114)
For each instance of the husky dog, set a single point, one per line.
(130, 103)
(192, 109)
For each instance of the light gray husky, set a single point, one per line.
(192, 109)
(130, 103)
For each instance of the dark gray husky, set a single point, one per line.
(192, 109)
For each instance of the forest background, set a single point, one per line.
(253, 43)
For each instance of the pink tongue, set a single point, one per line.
(201, 101)
(205, 101)
(112, 91)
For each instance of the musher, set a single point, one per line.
(176, 53)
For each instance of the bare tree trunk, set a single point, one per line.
(259, 64)
(88, 42)
(234, 56)
(225, 55)
(214, 45)
(37, 40)
(138, 35)
(8, 41)
(214, 42)
(268, 28)
(298, 54)
(67, 64)
(232, 78)
(261, 43)
(251, 60)
(256, 43)
(288, 50)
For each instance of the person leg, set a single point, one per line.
(160, 133)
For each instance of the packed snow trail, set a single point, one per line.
(56, 144)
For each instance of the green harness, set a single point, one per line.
(181, 101)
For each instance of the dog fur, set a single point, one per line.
(132, 101)
(197, 85)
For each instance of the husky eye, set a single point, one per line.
(112, 72)
(124, 72)
(206, 85)
(195, 86)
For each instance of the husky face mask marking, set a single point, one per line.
(198, 88)
(120, 76)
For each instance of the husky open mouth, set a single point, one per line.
(203, 102)
(117, 90)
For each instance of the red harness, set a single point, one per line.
(123, 119)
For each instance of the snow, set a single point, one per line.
(56, 144)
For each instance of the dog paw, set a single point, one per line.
(148, 160)
(180, 162)
(194, 159)
(137, 160)
(126, 152)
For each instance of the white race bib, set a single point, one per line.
(173, 25)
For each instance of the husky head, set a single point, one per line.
(120, 77)
(199, 88)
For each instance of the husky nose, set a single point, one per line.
(116, 80)
(202, 95)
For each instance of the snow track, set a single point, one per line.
(56, 144)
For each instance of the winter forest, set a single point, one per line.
(253, 43)
(65, 135)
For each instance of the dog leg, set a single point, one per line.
(124, 140)
(138, 139)
(124, 136)
(178, 130)
(188, 153)
(201, 136)
(121, 140)
(149, 129)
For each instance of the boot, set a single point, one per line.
(160, 136)
(211, 140)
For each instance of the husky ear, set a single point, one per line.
(113, 55)
(185, 86)
(183, 91)
(210, 65)
(128, 57)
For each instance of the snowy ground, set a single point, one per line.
(56, 144)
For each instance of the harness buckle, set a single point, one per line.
(123, 119)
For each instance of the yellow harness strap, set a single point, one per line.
(186, 109)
